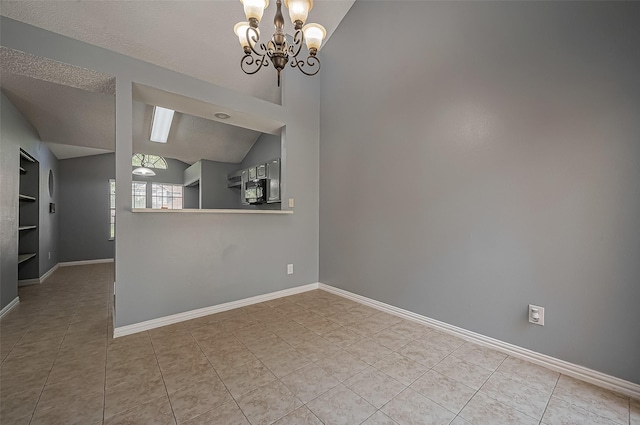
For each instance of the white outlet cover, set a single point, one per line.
(291, 203)
(540, 320)
(289, 268)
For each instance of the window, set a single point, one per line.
(138, 200)
(112, 208)
(166, 196)
(139, 194)
(149, 161)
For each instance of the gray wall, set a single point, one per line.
(49, 224)
(492, 161)
(267, 147)
(192, 175)
(84, 203)
(84, 207)
(191, 197)
(214, 193)
(198, 260)
(16, 132)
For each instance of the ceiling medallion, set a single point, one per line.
(278, 49)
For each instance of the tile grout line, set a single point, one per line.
(346, 328)
(35, 408)
(587, 410)
(415, 380)
(277, 377)
(219, 377)
(367, 338)
(478, 390)
(155, 355)
(551, 395)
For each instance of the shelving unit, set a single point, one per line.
(234, 179)
(24, 257)
(28, 235)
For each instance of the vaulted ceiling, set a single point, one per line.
(192, 37)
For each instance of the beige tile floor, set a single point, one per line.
(312, 358)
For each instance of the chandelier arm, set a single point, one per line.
(248, 62)
(312, 61)
(296, 47)
(254, 37)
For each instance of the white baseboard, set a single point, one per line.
(12, 305)
(579, 372)
(49, 273)
(28, 282)
(85, 262)
(41, 279)
(194, 314)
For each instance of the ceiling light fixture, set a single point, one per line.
(143, 171)
(161, 124)
(278, 49)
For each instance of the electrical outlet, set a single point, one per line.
(536, 315)
(289, 268)
(49, 255)
(291, 203)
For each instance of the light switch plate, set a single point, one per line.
(540, 310)
(289, 268)
(291, 203)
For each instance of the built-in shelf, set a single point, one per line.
(28, 234)
(26, 156)
(26, 198)
(24, 257)
(234, 183)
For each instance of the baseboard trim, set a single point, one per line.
(49, 273)
(194, 314)
(9, 307)
(570, 369)
(41, 279)
(85, 262)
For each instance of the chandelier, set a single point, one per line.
(278, 49)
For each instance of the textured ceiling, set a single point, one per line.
(63, 114)
(24, 64)
(76, 122)
(74, 108)
(192, 37)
